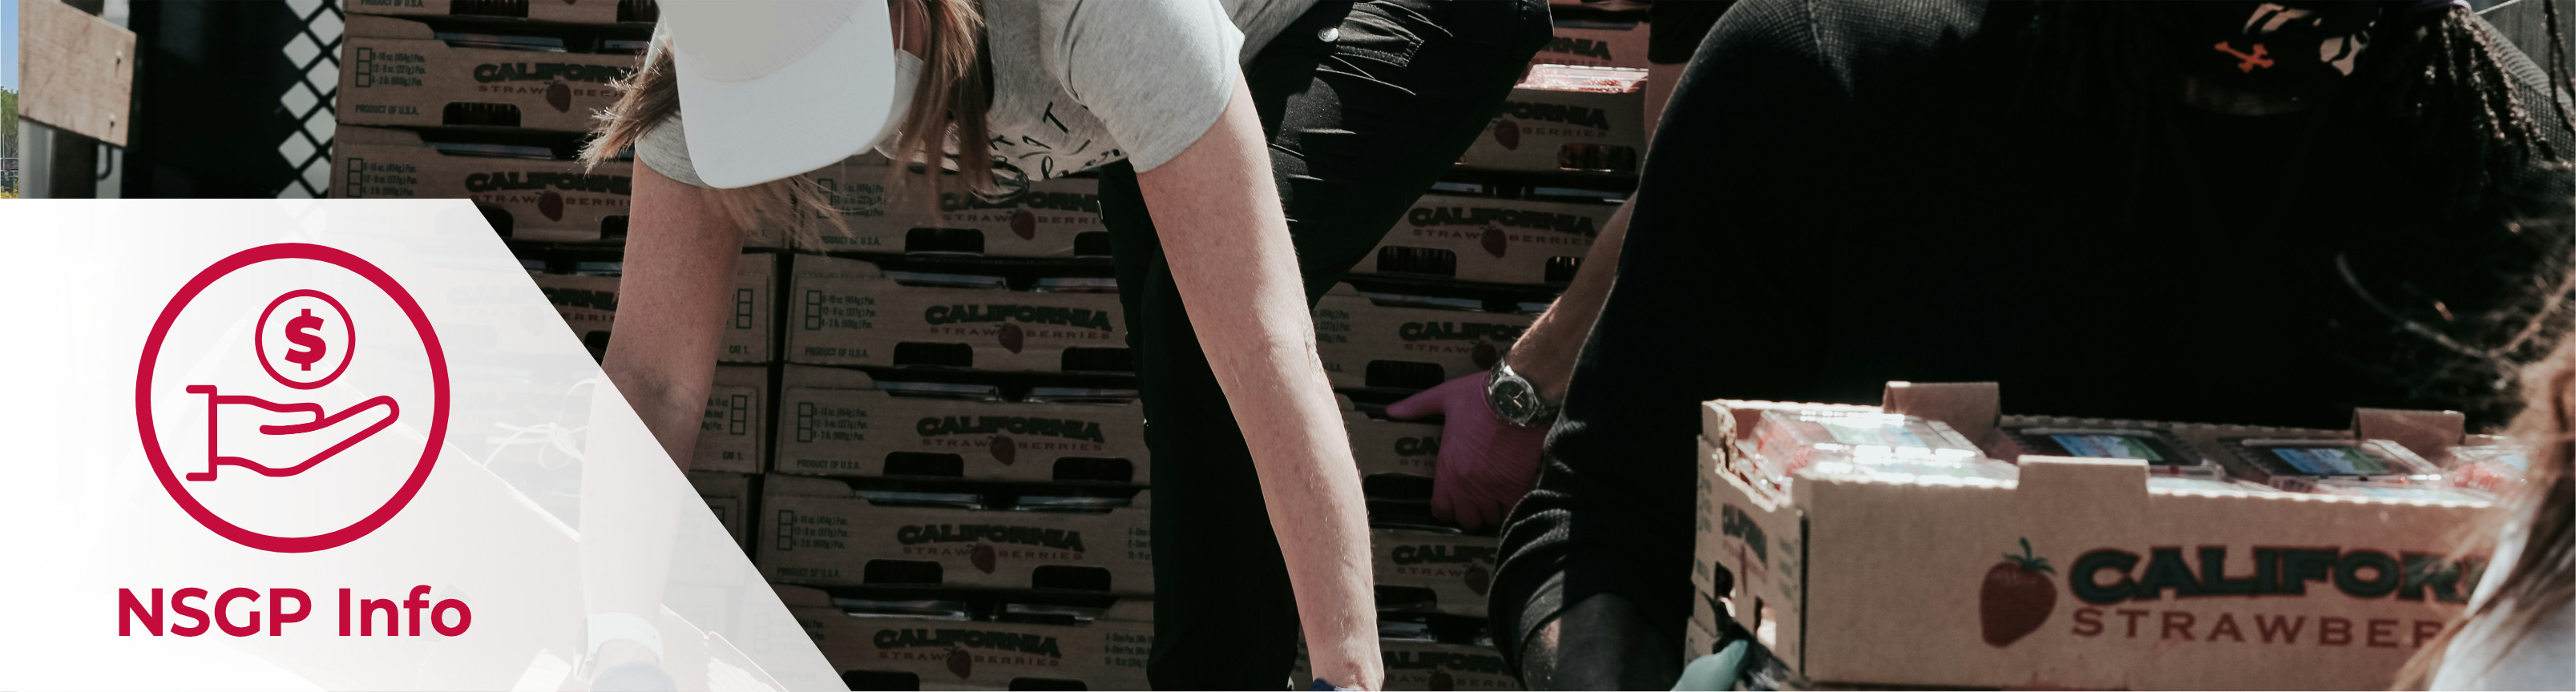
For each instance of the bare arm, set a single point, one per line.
(680, 252)
(679, 267)
(1218, 215)
(1545, 354)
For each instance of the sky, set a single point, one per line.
(9, 44)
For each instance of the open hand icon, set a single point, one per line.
(308, 434)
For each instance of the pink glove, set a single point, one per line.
(1485, 464)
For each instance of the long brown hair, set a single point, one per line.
(2543, 577)
(944, 128)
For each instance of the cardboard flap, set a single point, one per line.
(370, 26)
(1343, 290)
(2069, 490)
(2430, 434)
(1969, 407)
(802, 596)
(808, 376)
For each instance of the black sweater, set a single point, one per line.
(1847, 193)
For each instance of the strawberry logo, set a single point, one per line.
(1485, 355)
(1024, 224)
(1479, 578)
(1508, 134)
(1005, 451)
(2017, 598)
(1494, 241)
(1441, 681)
(983, 557)
(559, 96)
(961, 662)
(1011, 337)
(551, 204)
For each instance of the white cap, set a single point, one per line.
(775, 88)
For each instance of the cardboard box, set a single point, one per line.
(588, 305)
(557, 11)
(1868, 581)
(527, 199)
(849, 312)
(399, 72)
(1370, 345)
(730, 496)
(839, 423)
(1420, 665)
(1596, 43)
(1391, 447)
(734, 433)
(1515, 241)
(1455, 568)
(1054, 218)
(1107, 653)
(820, 531)
(1553, 129)
(749, 335)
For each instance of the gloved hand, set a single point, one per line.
(1485, 464)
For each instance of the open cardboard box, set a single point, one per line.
(1513, 241)
(399, 72)
(849, 312)
(1107, 653)
(733, 434)
(839, 423)
(1364, 344)
(554, 11)
(820, 531)
(1550, 130)
(1876, 582)
(1058, 217)
(526, 199)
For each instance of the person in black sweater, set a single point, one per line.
(2262, 213)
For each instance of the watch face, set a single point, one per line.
(1512, 399)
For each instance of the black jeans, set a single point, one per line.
(1365, 105)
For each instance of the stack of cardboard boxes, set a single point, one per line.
(1448, 291)
(931, 430)
(954, 493)
(486, 100)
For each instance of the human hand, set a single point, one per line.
(1485, 464)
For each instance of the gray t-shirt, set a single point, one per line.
(1080, 83)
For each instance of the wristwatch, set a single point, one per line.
(1515, 399)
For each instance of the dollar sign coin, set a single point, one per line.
(304, 339)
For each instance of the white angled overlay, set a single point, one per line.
(334, 444)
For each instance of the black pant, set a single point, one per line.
(1359, 126)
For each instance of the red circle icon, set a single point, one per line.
(348, 344)
(435, 433)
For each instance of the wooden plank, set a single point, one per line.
(78, 70)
